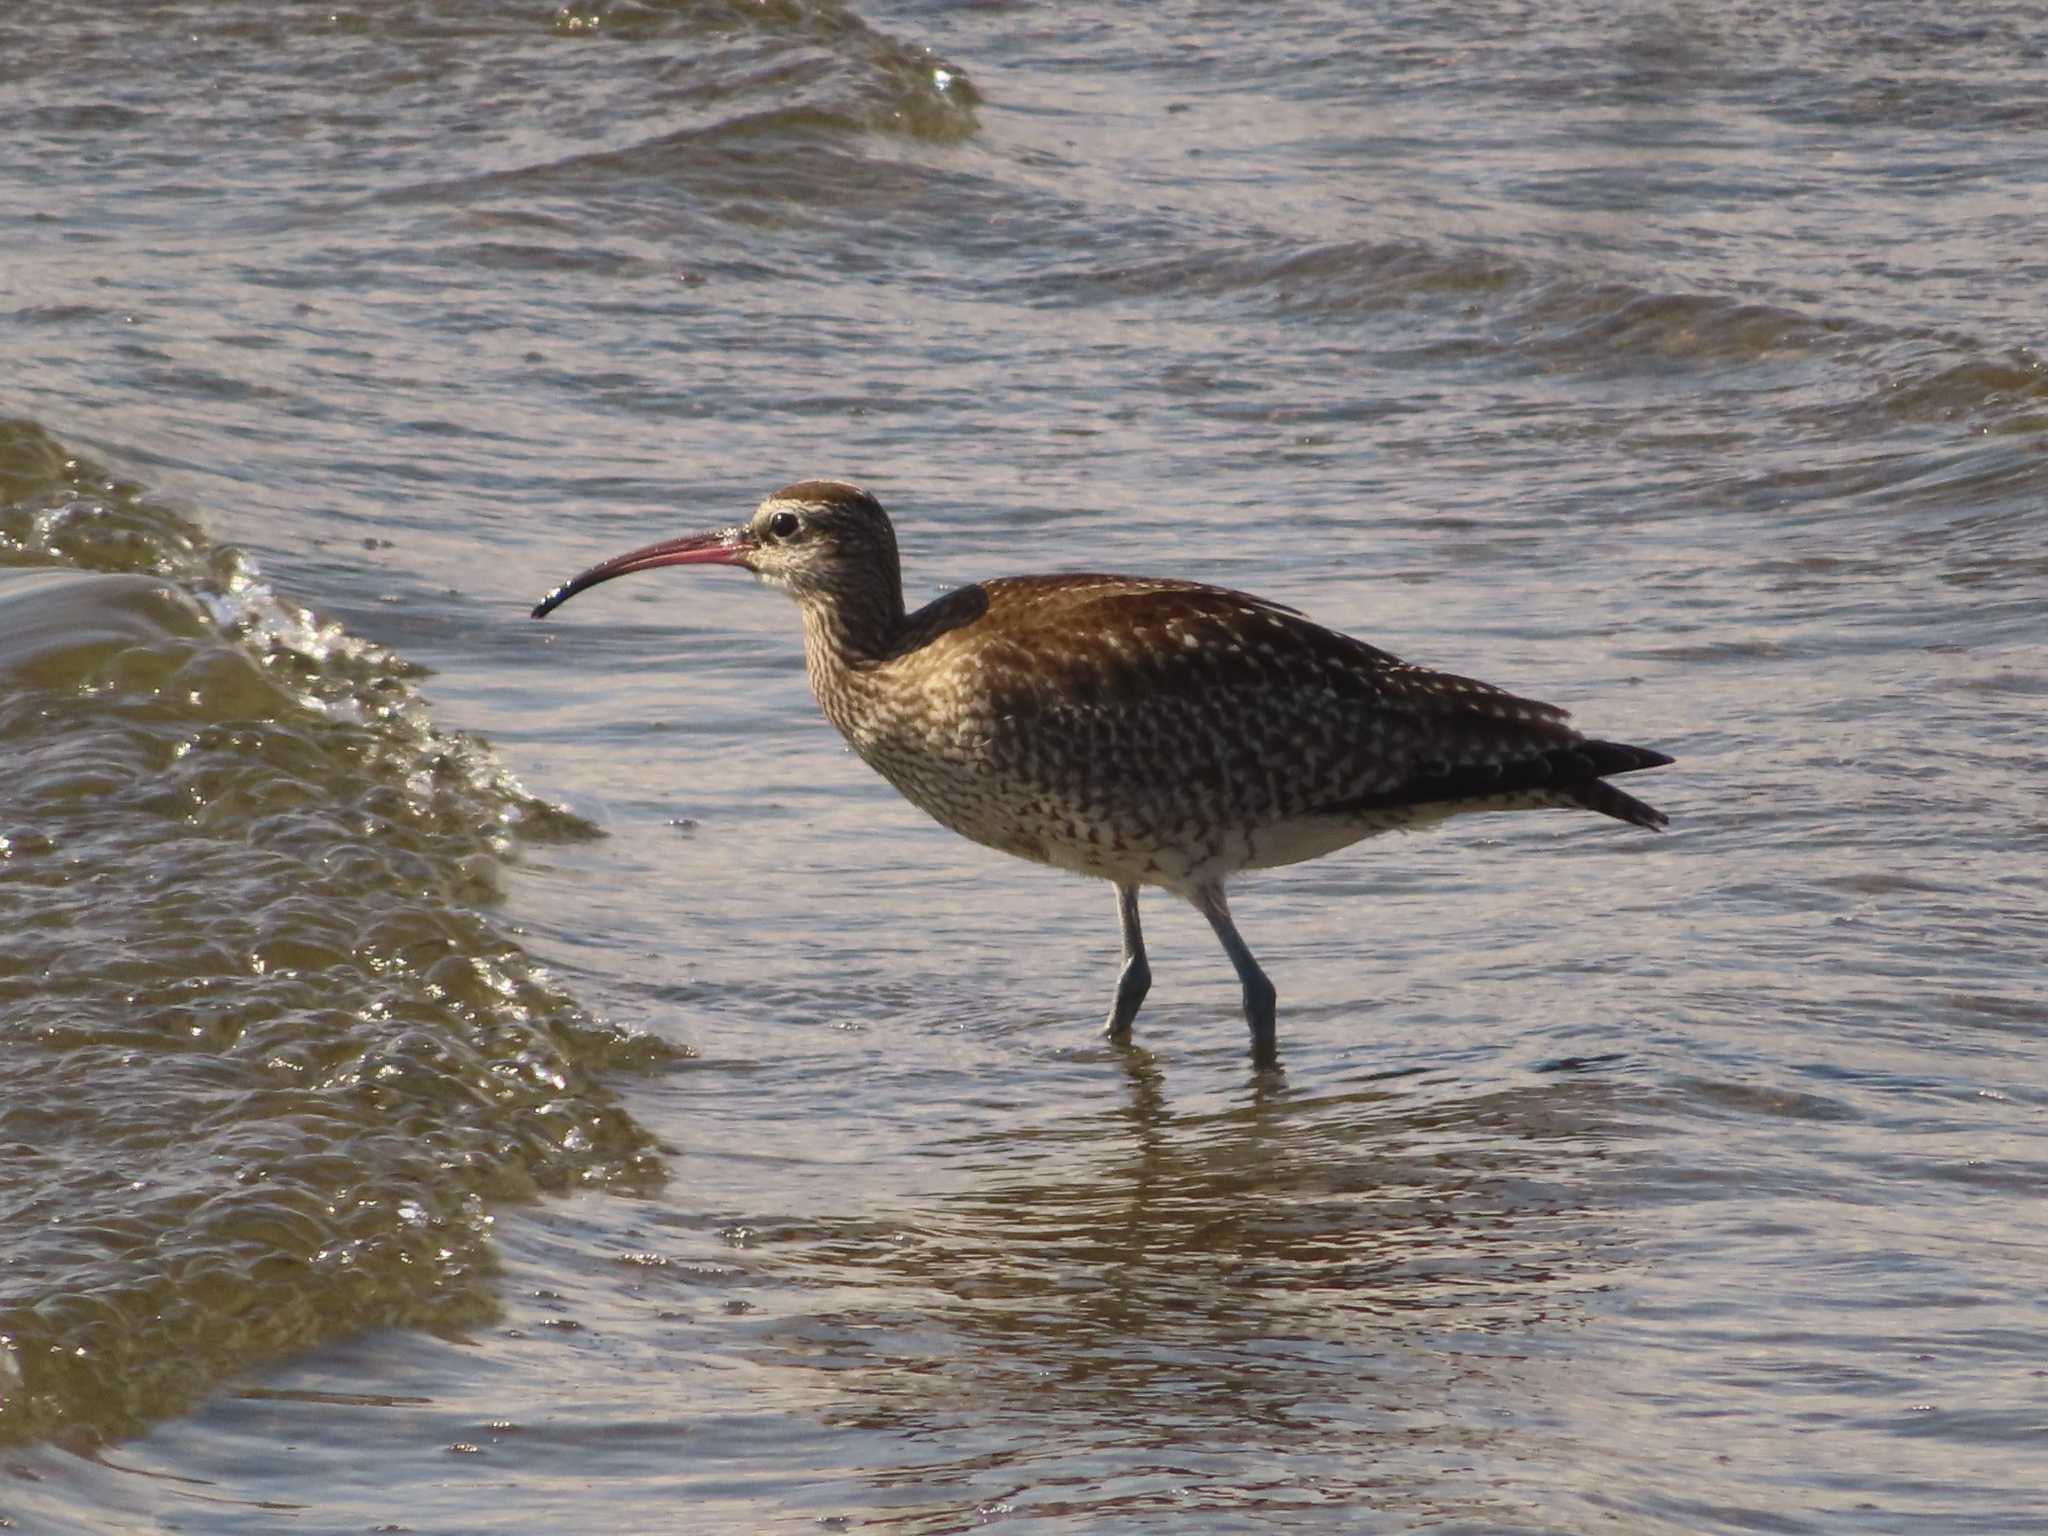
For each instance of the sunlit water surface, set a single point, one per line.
(464, 1075)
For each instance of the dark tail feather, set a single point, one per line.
(1575, 774)
(1596, 794)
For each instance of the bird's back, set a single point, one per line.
(1217, 689)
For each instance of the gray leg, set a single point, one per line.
(1259, 996)
(1135, 979)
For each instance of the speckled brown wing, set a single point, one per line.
(1178, 702)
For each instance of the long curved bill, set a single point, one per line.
(728, 546)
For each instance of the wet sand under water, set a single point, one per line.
(465, 1075)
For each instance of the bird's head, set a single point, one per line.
(822, 541)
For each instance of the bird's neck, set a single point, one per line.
(844, 642)
(845, 630)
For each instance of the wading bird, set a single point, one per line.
(1142, 730)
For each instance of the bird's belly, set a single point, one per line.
(1134, 829)
(1090, 835)
(1160, 846)
(1031, 824)
(1310, 837)
(1126, 839)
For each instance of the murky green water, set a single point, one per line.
(266, 1060)
(464, 1075)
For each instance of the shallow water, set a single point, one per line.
(470, 1075)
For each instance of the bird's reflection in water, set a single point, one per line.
(1345, 1273)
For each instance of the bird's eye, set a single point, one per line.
(783, 525)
